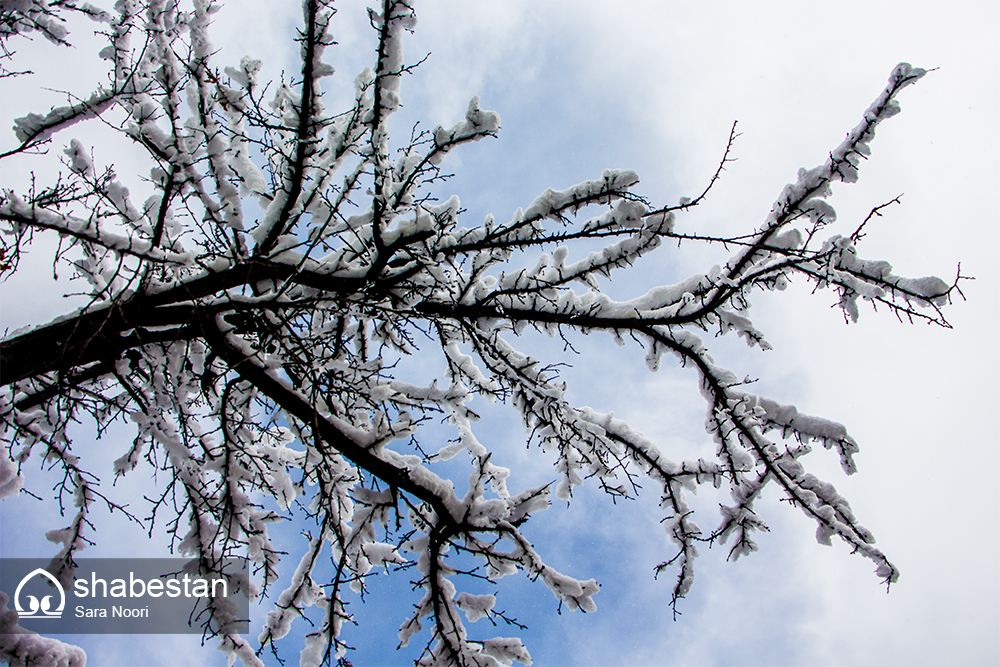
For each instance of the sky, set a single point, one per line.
(655, 87)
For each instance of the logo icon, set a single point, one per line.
(36, 608)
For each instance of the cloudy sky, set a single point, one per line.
(655, 87)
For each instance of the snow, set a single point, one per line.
(24, 647)
(36, 128)
(475, 606)
(11, 479)
(337, 303)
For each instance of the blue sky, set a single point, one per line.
(654, 87)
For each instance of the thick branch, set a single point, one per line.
(302, 409)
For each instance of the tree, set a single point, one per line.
(256, 315)
(23, 17)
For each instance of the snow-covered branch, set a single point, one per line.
(252, 314)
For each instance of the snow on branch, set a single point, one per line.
(253, 319)
(19, 646)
